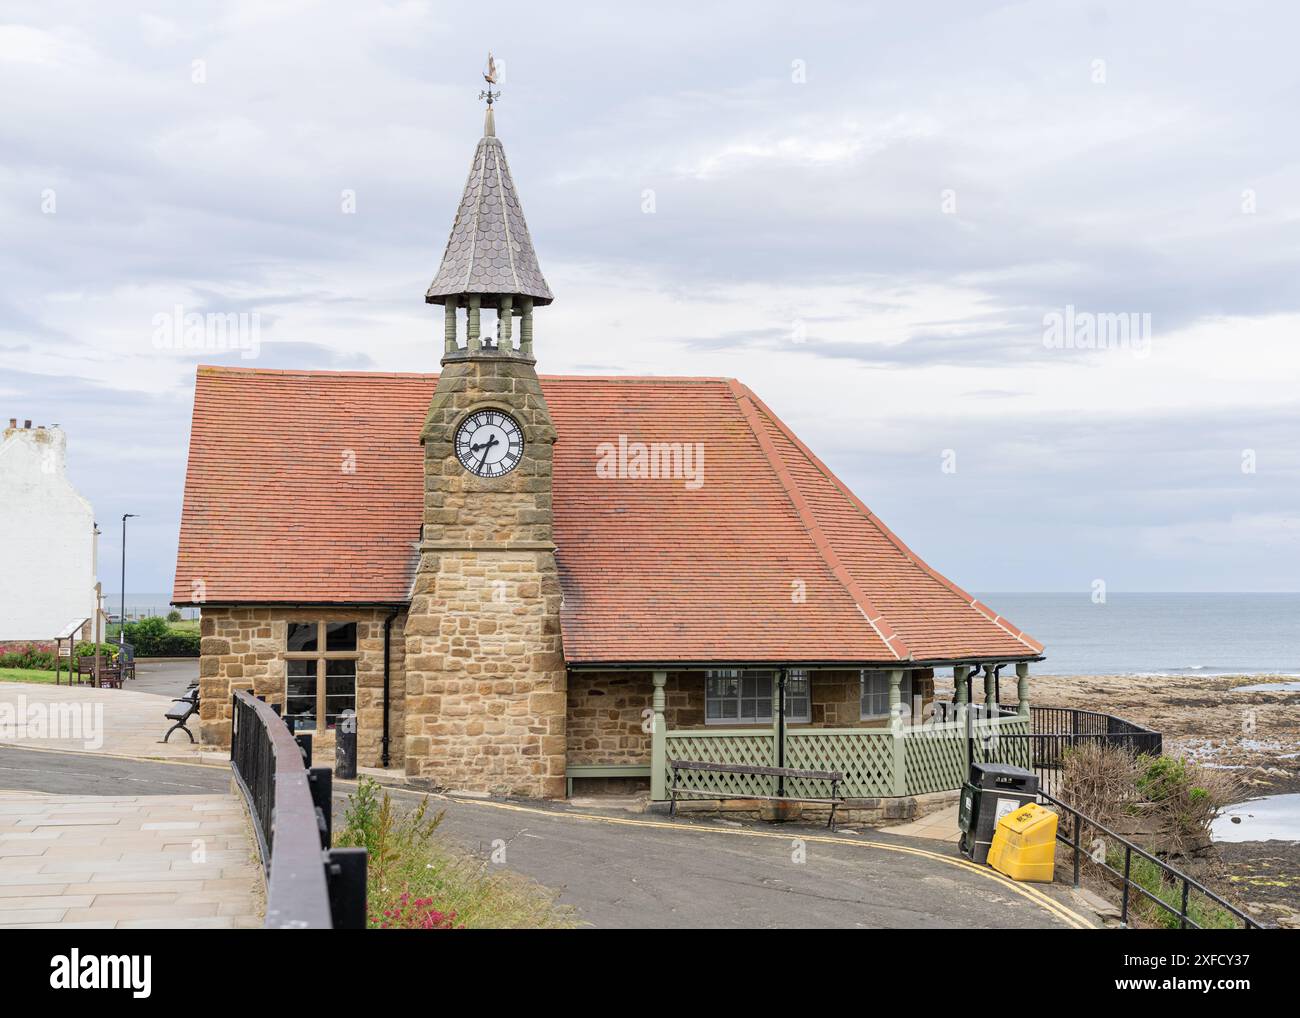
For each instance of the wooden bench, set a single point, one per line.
(834, 777)
(109, 674)
(181, 711)
(602, 771)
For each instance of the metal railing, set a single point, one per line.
(1077, 822)
(309, 885)
(1056, 729)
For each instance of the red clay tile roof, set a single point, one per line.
(772, 559)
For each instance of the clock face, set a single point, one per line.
(489, 443)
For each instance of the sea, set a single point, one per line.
(1128, 634)
(1159, 634)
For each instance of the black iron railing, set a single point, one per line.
(1105, 850)
(309, 885)
(1056, 729)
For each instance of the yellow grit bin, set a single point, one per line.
(1024, 844)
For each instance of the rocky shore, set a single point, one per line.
(1253, 734)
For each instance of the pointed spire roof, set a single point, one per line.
(489, 251)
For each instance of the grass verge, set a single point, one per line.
(1147, 875)
(29, 675)
(418, 881)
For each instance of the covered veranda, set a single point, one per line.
(923, 747)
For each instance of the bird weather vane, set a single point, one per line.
(490, 76)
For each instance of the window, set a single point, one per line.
(875, 694)
(744, 696)
(320, 674)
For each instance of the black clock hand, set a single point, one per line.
(487, 447)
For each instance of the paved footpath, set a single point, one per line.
(95, 841)
(117, 722)
(112, 861)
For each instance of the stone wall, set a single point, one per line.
(606, 714)
(485, 707)
(242, 648)
(485, 678)
(606, 709)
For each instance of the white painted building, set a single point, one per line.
(47, 537)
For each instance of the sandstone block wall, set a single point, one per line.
(486, 682)
(243, 648)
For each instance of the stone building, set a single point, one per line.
(47, 537)
(527, 583)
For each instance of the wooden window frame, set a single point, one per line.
(904, 693)
(321, 657)
(740, 697)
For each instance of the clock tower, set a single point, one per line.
(485, 675)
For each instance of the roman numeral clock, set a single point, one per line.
(489, 443)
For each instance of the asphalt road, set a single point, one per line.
(625, 870)
(166, 678)
(91, 774)
(622, 870)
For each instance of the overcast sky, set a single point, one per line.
(867, 212)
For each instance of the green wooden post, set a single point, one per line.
(1022, 687)
(773, 757)
(990, 697)
(474, 345)
(658, 739)
(505, 322)
(960, 685)
(526, 328)
(450, 325)
(898, 731)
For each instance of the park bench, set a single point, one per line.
(109, 674)
(182, 710)
(834, 777)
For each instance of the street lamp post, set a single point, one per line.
(121, 619)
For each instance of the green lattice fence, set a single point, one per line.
(864, 756)
(755, 748)
(934, 758)
(992, 748)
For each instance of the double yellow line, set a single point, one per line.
(1027, 891)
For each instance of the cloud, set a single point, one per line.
(871, 243)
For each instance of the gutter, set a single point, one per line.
(686, 665)
(388, 675)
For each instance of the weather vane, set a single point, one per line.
(490, 76)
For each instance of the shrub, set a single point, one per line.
(1099, 782)
(173, 616)
(153, 637)
(28, 655)
(1186, 795)
(86, 648)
